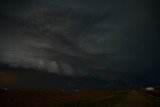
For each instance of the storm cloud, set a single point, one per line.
(108, 39)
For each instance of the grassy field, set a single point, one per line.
(138, 99)
(76, 99)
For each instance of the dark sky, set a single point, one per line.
(83, 43)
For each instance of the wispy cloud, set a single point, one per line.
(105, 39)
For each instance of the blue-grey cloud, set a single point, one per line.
(104, 39)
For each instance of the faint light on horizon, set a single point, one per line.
(7, 79)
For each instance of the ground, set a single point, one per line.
(139, 99)
(131, 98)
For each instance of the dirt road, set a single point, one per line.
(138, 99)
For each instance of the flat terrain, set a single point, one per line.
(77, 99)
(139, 99)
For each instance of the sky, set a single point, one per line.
(79, 43)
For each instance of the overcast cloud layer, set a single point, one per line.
(108, 39)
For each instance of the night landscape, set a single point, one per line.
(79, 53)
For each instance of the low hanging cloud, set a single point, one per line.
(105, 39)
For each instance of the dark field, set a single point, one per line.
(76, 99)
(155, 93)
